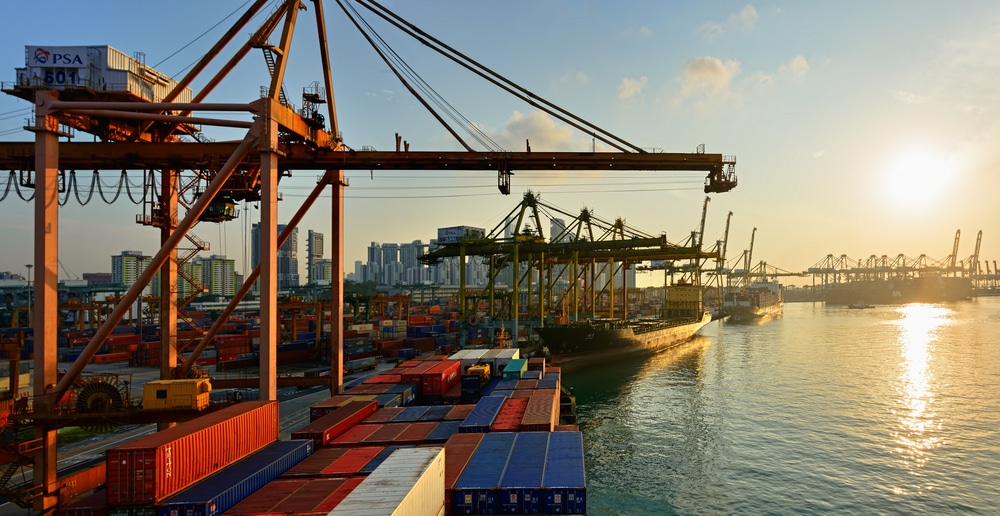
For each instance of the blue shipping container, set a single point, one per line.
(531, 375)
(565, 482)
(476, 488)
(482, 415)
(442, 432)
(407, 392)
(521, 485)
(380, 458)
(436, 413)
(387, 400)
(409, 415)
(220, 491)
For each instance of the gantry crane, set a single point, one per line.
(162, 134)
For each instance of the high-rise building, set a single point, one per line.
(218, 275)
(127, 267)
(288, 257)
(314, 253)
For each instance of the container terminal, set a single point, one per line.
(505, 453)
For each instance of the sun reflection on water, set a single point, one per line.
(917, 424)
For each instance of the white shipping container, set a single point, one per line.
(472, 357)
(490, 357)
(506, 355)
(410, 481)
(458, 355)
(453, 234)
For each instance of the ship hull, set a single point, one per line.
(577, 346)
(757, 313)
(901, 291)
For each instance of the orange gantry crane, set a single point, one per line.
(157, 128)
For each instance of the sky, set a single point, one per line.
(859, 128)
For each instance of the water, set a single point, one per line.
(891, 410)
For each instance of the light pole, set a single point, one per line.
(29, 266)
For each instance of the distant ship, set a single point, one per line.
(580, 344)
(762, 300)
(897, 291)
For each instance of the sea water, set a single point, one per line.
(825, 410)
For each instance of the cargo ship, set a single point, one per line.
(578, 344)
(761, 301)
(900, 290)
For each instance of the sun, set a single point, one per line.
(919, 177)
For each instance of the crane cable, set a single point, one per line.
(499, 80)
(382, 48)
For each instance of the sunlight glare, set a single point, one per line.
(918, 177)
(917, 422)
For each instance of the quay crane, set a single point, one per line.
(154, 124)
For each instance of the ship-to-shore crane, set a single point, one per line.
(159, 130)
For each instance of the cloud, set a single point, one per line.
(798, 67)
(542, 131)
(820, 153)
(643, 32)
(745, 19)
(631, 87)
(761, 81)
(708, 77)
(907, 97)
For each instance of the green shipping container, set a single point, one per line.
(515, 369)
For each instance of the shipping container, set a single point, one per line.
(410, 414)
(521, 484)
(386, 434)
(330, 426)
(306, 496)
(475, 491)
(379, 459)
(95, 504)
(322, 408)
(354, 436)
(222, 490)
(313, 465)
(151, 468)
(510, 415)
(514, 369)
(541, 413)
(482, 415)
(457, 451)
(388, 400)
(564, 484)
(351, 462)
(410, 481)
(169, 394)
(438, 379)
(436, 413)
(415, 433)
(459, 412)
(383, 415)
(442, 432)
(407, 392)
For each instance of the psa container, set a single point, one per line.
(224, 489)
(148, 470)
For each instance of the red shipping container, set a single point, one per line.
(510, 415)
(523, 393)
(265, 498)
(439, 378)
(459, 412)
(566, 428)
(385, 434)
(384, 378)
(94, 505)
(322, 408)
(354, 436)
(338, 495)
(313, 465)
(526, 384)
(457, 452)
(154, 467)
(415, 433)
(413, 375)
(541, 414)
(384, 415)
(340, 420)
(351, 462)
